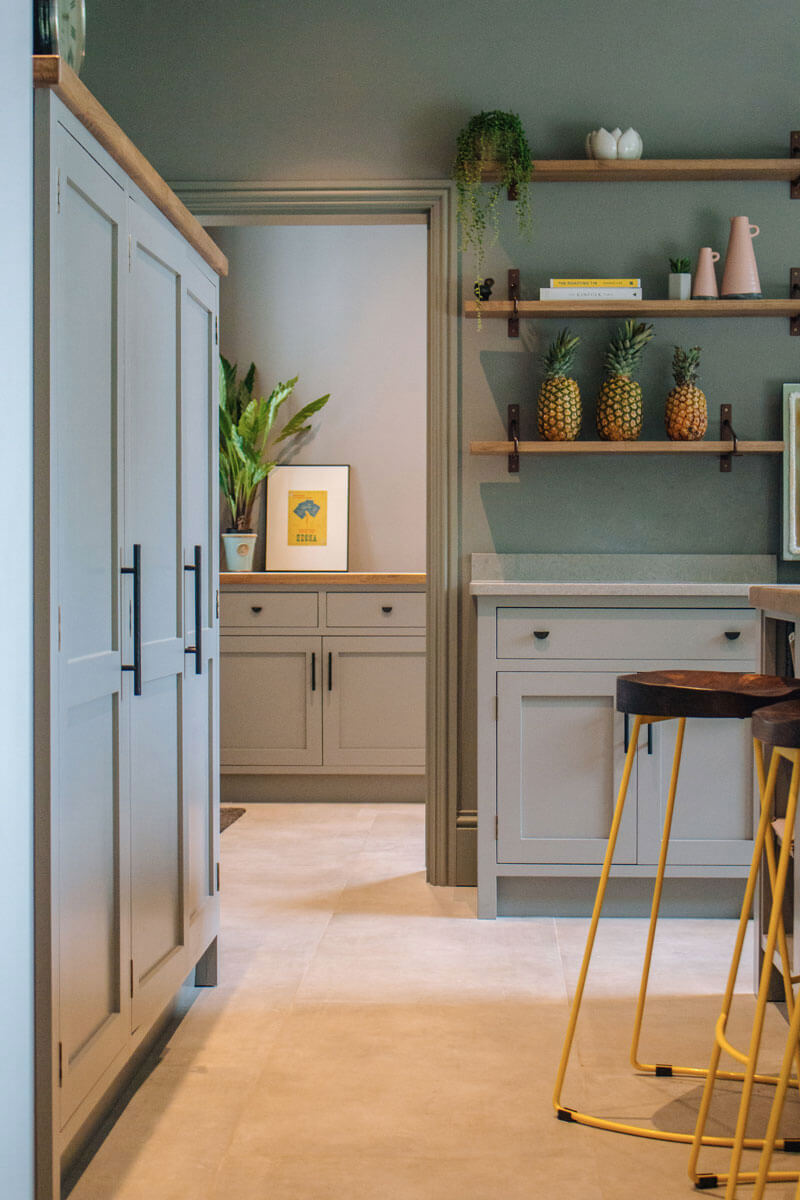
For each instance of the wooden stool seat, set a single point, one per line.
(778, 724)
(702, 693)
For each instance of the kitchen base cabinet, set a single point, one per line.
(127, 795)
(309, 685)
(551, 749)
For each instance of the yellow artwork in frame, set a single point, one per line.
(308, 518)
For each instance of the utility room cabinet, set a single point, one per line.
(323, 682)
(552, 746)
(127, 759)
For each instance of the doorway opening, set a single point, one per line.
(237, 209)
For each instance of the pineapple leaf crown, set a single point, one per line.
(685, 364)
(560, 355)
(626, 347)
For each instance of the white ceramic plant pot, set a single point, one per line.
(604, 144)
(239, 549)
(680, 286)
(629, 144)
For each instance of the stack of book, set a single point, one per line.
(592, 289)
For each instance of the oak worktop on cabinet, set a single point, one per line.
(323, 674)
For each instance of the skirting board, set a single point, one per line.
(340, 789)
(574, 897)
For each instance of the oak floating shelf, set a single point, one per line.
(644, 170)
(543, 309)
(664, 447)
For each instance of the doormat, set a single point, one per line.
(228, 815)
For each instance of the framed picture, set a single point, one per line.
(308, 518)
(791, 466)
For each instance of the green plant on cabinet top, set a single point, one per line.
(245, 426)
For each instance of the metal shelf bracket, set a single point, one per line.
(513, 436)
(513, 294)
(794, 152)
(794, 294)
(727, 434)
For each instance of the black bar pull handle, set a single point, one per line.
(313, 671)
(627, 735)
(649, 739)
(136, 572)
(330, 671)
(197, 648)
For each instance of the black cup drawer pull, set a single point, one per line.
(541, 634)
(732, 634)
(256, 608)
(386, 608)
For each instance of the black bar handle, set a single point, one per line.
(197, 648)
(627, 736)
(733, 634)
(313, 671)
(330, 671)
(649, 739)
(136, 572)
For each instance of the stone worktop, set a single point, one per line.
(621, 574)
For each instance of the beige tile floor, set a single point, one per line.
(371, 1040)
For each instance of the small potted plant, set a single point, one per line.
(495, 138)
(680, 279)
(245, 426)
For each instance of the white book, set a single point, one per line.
(561, 293)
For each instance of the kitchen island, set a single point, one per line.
(554, 632)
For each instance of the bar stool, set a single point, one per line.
(777, 727)
(652, 697)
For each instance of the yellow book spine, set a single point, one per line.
(597, 283)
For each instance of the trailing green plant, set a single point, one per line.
(680, 266)
(245, 428)
(497, 137)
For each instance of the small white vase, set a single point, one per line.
(680, 286)
(604, 144)
(239, 549)
(629, 144)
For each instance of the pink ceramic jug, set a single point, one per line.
(740, 279)
(705, 279)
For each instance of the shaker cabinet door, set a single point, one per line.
(560, 754)
(153, 522)
(270, 701)
(90, 783)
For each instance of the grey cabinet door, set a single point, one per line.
(374, 701)
(560, 752)
(270, 701)
(200, 755)
(715, 800)
(153, 521)
(90, 841)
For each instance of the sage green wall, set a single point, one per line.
(361, 90)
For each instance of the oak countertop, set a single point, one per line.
(781, 599)
(346, 579)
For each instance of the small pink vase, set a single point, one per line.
(705, 278)
(740, 279)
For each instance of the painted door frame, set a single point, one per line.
(251, 203)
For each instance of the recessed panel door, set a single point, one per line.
(270, 702)
(560, 753)
(154, 604)
(374, 694)
(89, 783)
(200, 757)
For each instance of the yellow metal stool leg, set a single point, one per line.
(776, 1111)
(750, 1060)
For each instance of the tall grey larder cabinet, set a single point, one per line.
(127, 640)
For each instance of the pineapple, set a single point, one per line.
(686, 417)
(619, 404)
(559, 411)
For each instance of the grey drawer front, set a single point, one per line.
(270, 610)
(690, 633)
(378, 610)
